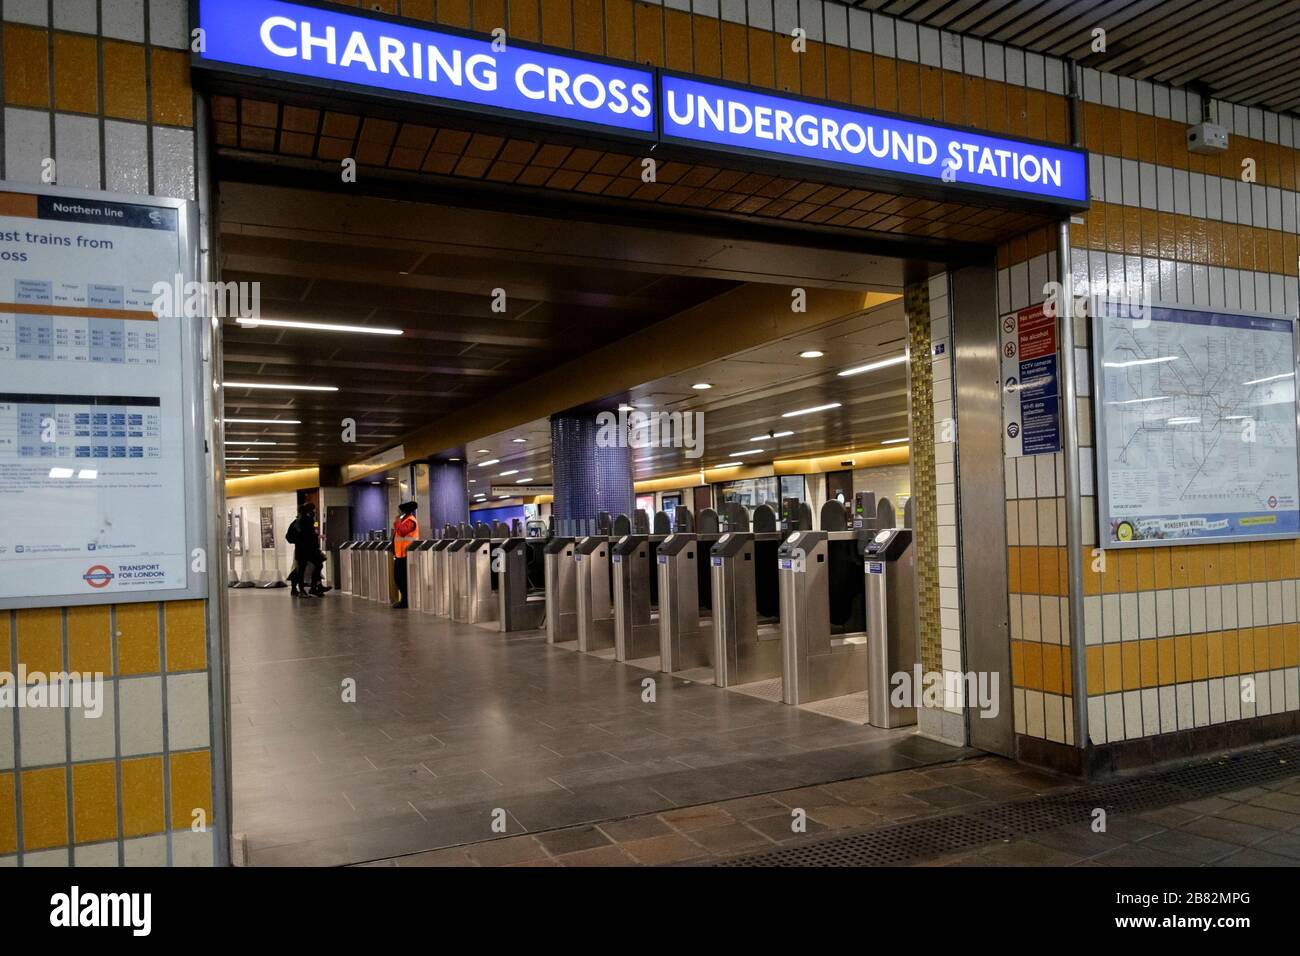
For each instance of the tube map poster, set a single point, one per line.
(1196, 414)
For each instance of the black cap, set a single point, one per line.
(408, 507)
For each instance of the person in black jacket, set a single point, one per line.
(305, 578)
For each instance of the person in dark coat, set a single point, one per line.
(305, 578)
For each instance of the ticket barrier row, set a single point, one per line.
(366, 570)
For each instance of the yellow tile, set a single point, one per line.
(1214, 654)
(125, 95)
(94, 802)
(142, 796)
(1113, 662)
(1200, 657)
(1275, 647)
(191, 778)
(76, 73)
(40, 639)
(1128, 571)
(1163, 575)
(1053, 675)
(45, 808)
(1183, 658)
(8, 815)
(173, 97)
(1150, 664)
(1165, 659)
(186, 628)
(90, 644)
(1261, 649)
(137, 638)
(1211, 564)
(1146, 569)
(26, 66)
(1291, 645)
(1131, 661)
(1231, 653)
(6, 664)
(1246, 648)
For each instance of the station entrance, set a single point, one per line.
(593, 629)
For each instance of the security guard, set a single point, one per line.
(405, 530)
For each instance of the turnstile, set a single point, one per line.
(561, 590)
(594, 608)
(823, 625)
(636, 628)
(481, 604)
(440, 578)
(345, 566)
(459, 565)
(890, 565)
(521, 601)
(746, 608)
(417, 574)
(685, 636)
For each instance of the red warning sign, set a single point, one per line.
(1037, 334)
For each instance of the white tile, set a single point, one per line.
(188, 721)
(145, 851)
(860, 29)
(47, 858)
(124, 19)
(810, 18)
(27, 144)
(1168, 709)
(1200, 704)
(126, 157)
(78, 16)
(94, 738)
(1097, 720)
(42, 736)
(35, 12)
(173, 152)
(1115, 726)
(141, 715)
(96, 855)
(1150, 712)
(192, 849)
(77, 150)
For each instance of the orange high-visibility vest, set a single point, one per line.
(405, 530)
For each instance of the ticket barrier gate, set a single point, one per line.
(363, 569)
(594, 604)
(891, 622)
(825, 649)
(686, 593)
(345, 566)
(439, 593)
(480, 601)
(357, 572)
(561, 583)
(458, 565)
(521, 597)
(384, 588)
(746, 602)
(635, 583)
(417, 563)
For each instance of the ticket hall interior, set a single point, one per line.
(614, 488)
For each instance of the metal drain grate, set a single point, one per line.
(890, 846)
(935, 836)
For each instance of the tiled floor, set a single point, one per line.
(456, 727)
(1258, 826)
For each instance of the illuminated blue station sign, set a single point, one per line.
(385, 56)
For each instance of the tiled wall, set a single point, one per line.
(103, 88)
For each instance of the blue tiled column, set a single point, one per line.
(588, 479)
(448, 502)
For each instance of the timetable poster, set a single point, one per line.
(92, 458)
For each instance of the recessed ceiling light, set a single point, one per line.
(502, 497)
(872, 366)
(490, 461)
(773, 435)
(507, 474)
(625, 407)
(483, 451)
(319, 326)
(729, 464)
(235, 441)
(522, 481)
(811, 353)
(746, 451)
(453, 459)
(518, 441)
(473, 481)
(261, 421)
(243, 459)
(701, 386)
(808, 411)
(287, 388)
(895, 441)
